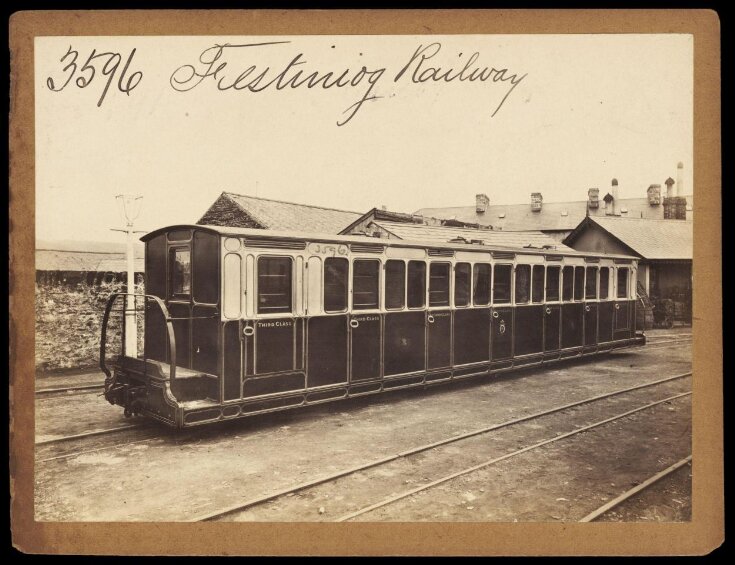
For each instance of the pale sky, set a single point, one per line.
(588, 109)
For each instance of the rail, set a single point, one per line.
(169, 328)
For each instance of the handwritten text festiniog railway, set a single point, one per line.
(222, 65)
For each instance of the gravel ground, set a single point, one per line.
(176, 476)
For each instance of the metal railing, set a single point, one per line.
(169, 328)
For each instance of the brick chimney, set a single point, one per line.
(481, 203)
(593, 198)
(675, 206)
(536, 200)
(669, 187)
(654, 195)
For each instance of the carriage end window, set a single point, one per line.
(395, 284)
(523, 284)
(623, 282)
(482, 279)
(578, 283)
(416, 284)
(537, 284)
(439, 284)
(335, 284)
(568, 283)
(604, 283)
(365, 284)
(462, 284)
(180, 272)
(552, 283)
(501, 289)
(274, 285)
(591, 284)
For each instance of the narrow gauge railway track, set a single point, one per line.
(91, 433)
(467, 470)
(327, 478)
(54, 392)
(605, 508)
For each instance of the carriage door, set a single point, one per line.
(327, 335)
(502, 316)
(404, 341)
(529, 293)
(605, 308)
(590, 309)
(622, 305)
(439, 317)
(552, 309)
(365, 320)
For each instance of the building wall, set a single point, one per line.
(595, 240)
(225, 212)
(671, 279)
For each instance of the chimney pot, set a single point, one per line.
(481, 203)
(536, 200)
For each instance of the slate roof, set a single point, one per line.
(279, 215)
(651, 239)
(85, 256)
(520, 217)
(443, 234)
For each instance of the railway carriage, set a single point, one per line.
(240, 322)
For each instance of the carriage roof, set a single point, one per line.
(261, 234)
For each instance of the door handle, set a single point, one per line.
(354, 323)
(495, 314)
(617, 306)
(548, 310)
(430, 319)
(586, 308)
(248, 331)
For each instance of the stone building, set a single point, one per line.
(241, 211)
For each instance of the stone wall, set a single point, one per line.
(69, 323)
(225, 212)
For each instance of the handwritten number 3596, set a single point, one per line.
(85, 74)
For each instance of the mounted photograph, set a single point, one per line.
(443, 278)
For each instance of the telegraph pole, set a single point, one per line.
(130, 209)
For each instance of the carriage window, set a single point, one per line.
(462, 284)
(439, 284)
(274, 285)
(395, 284)
(365, 283)
(604, 282)
(335, 284)
(552, 283)
(523, 284)
(623, 282)
(416, 284)
(481, 280)
(568, 283)
(578, 283)
(591, 284)
(501, 288)
(537, 284)
(180, 272)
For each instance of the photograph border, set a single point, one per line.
(701, 535)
